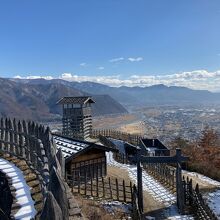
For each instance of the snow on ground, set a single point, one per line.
(22, 193)
(203, 178)
(158, 192)
(213, 200)
(114, 206)
(172, 214)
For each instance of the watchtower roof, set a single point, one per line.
(76, 100)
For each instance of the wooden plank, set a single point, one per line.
(85, 182)
(91, 182)
(103, 187)
(110, 187)
(124, 193)
(79, 182)
(117, 192)
(97, 186)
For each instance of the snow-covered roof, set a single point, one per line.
(68, 146)
(72, 148)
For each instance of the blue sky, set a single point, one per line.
(120, 38)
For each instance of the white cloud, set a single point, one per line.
(116, 59)
(101, 68)
(198, 79)
(135, 59)
(82, 64)
(66, 76)
(33, 77)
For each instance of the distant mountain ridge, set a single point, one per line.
(137, 96)
(36, 100)
(152, 95)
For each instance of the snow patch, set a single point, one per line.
(114, 206)
(22, 193)
(213, 200)
(172, 214)
(202, 178)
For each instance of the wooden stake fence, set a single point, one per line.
(165, 174)
(194, 200)
(106, 188)
(131, 138)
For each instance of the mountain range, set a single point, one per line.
(139, 96)
(37, 101)
(36, 98)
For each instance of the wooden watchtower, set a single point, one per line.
(77, 116)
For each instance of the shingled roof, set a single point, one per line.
(76, 100)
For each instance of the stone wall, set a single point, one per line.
(34, 143)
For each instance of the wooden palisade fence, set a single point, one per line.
(196, 203)
(34, 144)
(105, 187)
(30, 142)
(131, 138)
(165, 174)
